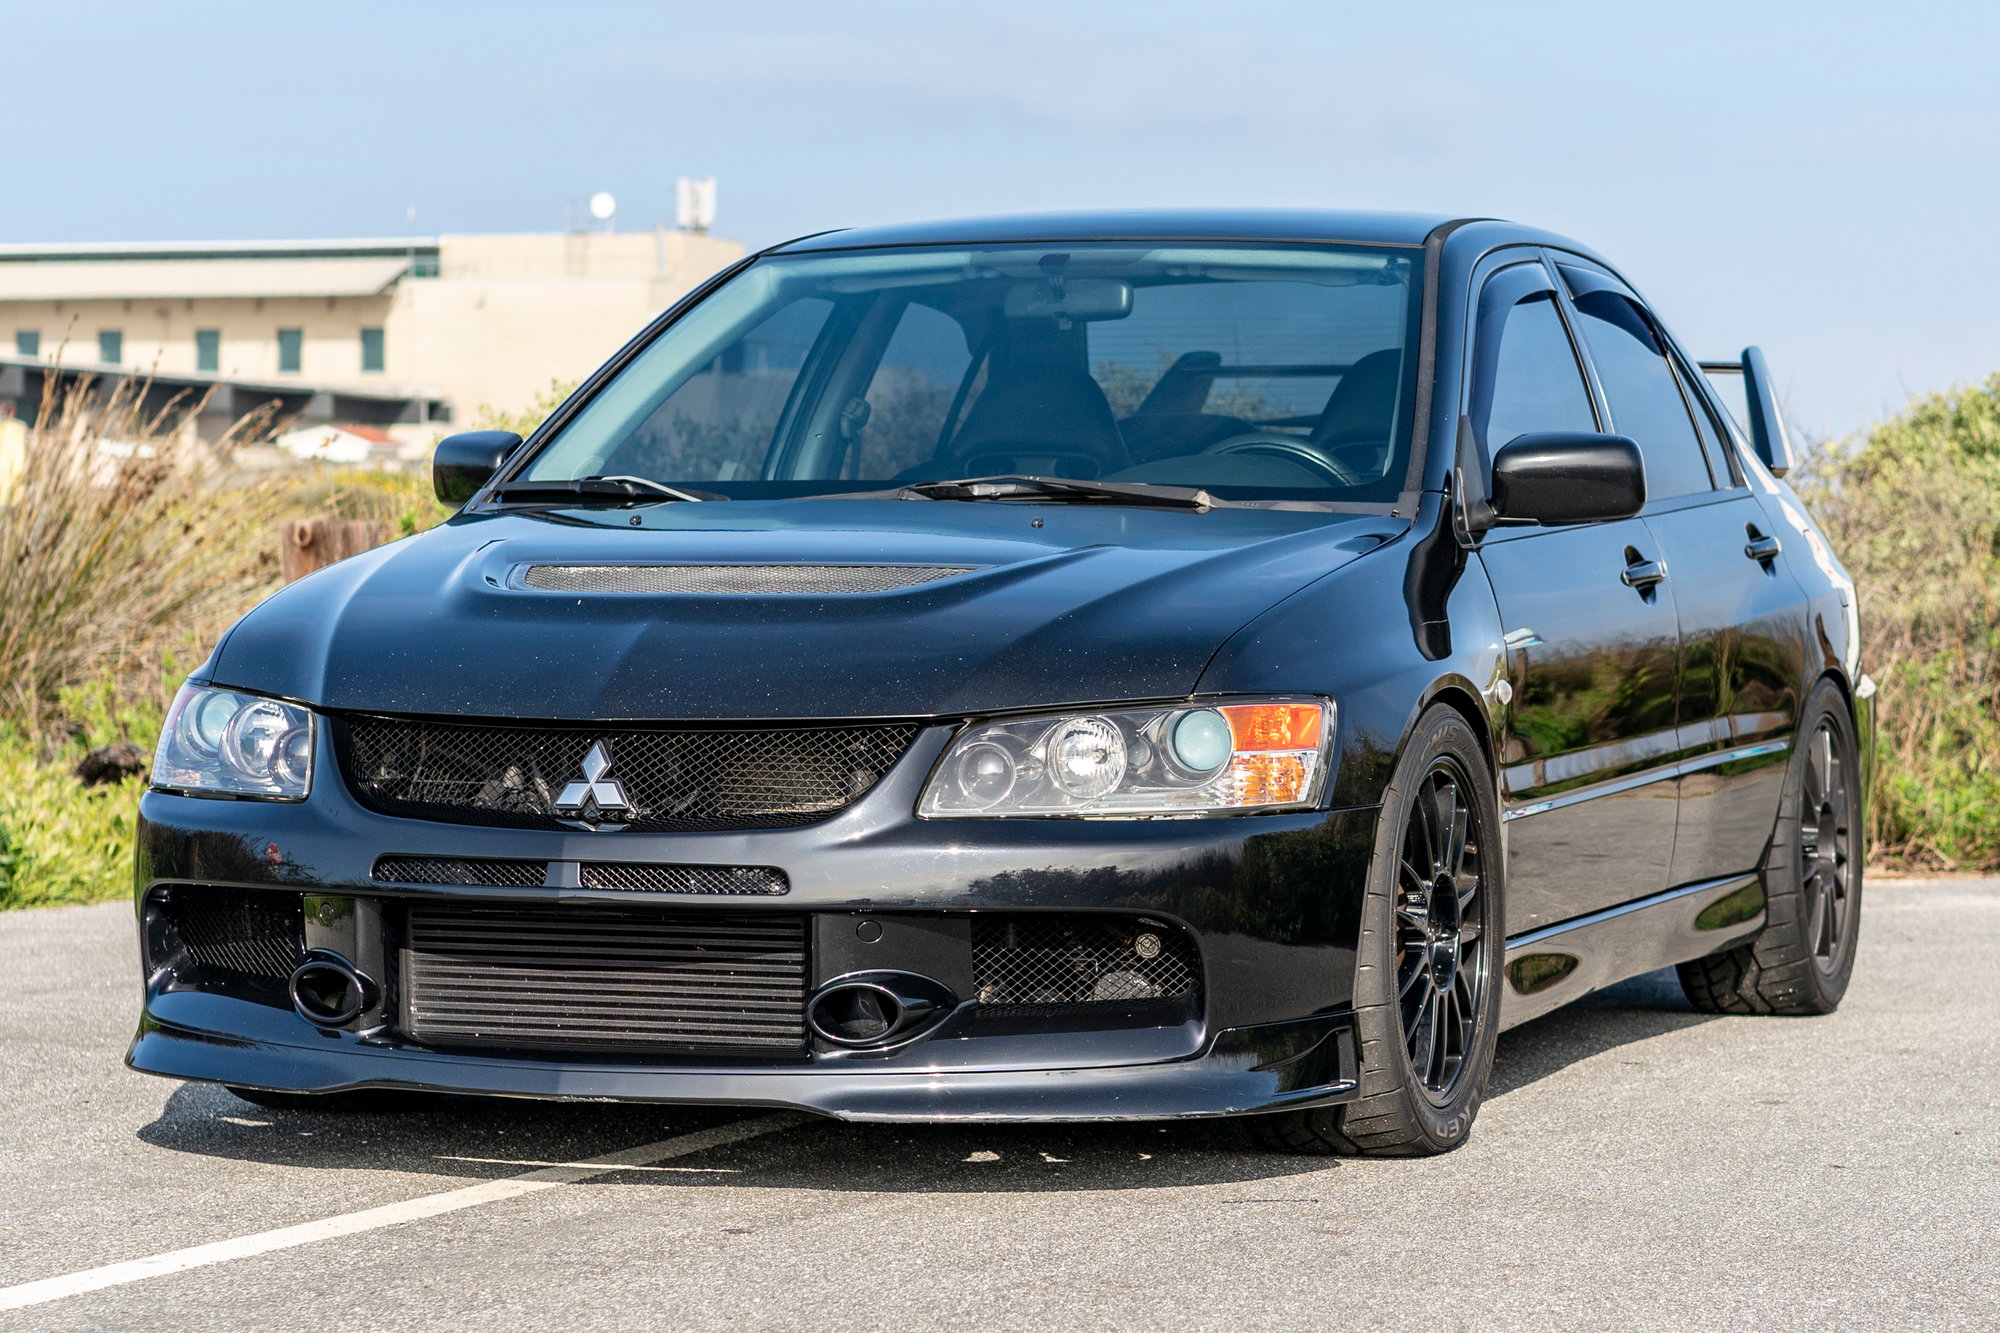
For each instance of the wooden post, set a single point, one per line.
(306, 544)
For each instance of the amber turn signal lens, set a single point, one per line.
(1274, 726)
(1267, 779)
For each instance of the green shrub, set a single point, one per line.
(60, 841)
(1914, 510)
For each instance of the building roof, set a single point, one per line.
(378, 247)
(1150, 224)
(142, 280)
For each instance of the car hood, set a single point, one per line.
(1062, 604)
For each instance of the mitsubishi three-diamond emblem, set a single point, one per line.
(597, 798)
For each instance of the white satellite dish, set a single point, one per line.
(602, 206)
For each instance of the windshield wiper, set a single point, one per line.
(600, 490)
(1062, 489)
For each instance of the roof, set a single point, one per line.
(18, 252)
(150, 279)
(1150, 224)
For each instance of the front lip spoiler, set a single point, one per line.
(1236, 1075)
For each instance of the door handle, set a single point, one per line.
(1761, 548)
(1644, 574)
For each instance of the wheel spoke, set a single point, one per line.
(1426, 834)
(1446, 814)
(1461, 819)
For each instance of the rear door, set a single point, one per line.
(1587, 757)
(1739, 609)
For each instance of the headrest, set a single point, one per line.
(1051, 409)
(1363, 405)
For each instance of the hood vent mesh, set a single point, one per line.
(725, 580)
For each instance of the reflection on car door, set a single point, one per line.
(1741, 621)
(1587, 758)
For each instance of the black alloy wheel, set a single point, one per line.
(1825, 842)
(1801, 961)
(1426, 1001)
(1442, 966)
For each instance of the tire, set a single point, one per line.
(1427, 974)
(1800, 963)
(360, 1100)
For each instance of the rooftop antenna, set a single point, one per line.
(602, 206)
(694, 203)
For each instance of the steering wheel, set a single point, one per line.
(1291, 448)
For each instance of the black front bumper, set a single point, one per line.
(1271, 904)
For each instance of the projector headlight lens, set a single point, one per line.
(239, 744)
(1228, 757)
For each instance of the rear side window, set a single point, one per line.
(1644, 397)
(1537, 385)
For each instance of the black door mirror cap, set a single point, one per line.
(1567, 477)
(467, 461)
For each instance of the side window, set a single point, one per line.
(1645, 399)
(1536, 384)
(913, 388)
(1714, 434)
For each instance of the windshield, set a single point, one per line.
(1251, 371)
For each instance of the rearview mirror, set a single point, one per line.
(1559, 477)
(467, 461)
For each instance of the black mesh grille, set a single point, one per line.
(641, 877)
(242, 934)
(460, 870)
(671, 781)
(1059, 960)
(738, 580)
(585, 977)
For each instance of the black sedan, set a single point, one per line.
(1091, 667)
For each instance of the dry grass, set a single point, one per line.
(126, 548)
(107, 562)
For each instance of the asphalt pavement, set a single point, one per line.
(1637, 1165)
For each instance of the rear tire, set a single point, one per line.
(1802, 960)
(1426, 989)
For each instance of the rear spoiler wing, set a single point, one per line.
(1767, 424)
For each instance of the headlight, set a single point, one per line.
(222, 741)
(1184, 759)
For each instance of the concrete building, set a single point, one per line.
(412, 334)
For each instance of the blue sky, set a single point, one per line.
(1817, 178)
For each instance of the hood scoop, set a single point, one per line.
(736, 580)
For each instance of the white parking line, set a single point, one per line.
(389, 1215)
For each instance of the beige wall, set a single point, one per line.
(505, 316)
(159, 335)
(509, 315)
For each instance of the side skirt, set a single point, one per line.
(1548, 968)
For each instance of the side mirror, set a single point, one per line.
(467, 461)
(1560, 477)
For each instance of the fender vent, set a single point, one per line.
(737, 580)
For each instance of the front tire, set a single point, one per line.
(1802, 960)
(1426, 991)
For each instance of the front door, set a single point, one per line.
(1587, 761)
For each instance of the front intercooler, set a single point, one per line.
(604, 978)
